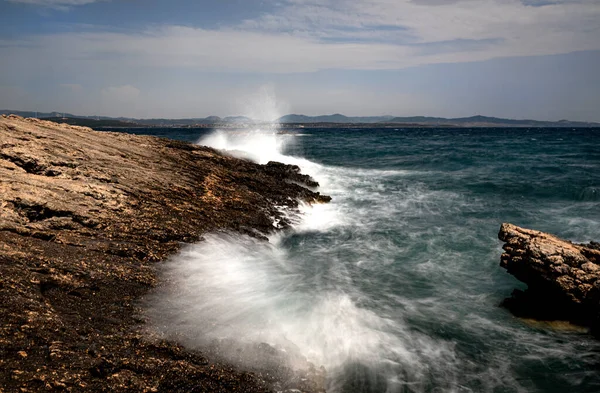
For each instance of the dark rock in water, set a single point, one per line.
(84, 218)
(563, 278)
(290, 172)
(594, 245)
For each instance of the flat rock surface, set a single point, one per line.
(85, 218)
(563, 278)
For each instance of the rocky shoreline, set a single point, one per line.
(85, 218)
(563, 278)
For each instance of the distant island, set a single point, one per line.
(300, 120)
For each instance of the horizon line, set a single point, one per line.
(63, 113)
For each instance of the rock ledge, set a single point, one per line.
(85, 217)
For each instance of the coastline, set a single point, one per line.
(86, 218)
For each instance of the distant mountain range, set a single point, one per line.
(473, 121)
(295, 119)
(336, 118)
(105, 121)
(485, 121)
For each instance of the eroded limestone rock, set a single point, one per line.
(563, 278)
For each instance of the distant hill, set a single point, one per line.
(179, 122)
(89, 122)
(486, 121)
(325, 120)
(473, 121)
(238, 119)
(335, 118)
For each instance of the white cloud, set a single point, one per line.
(307, 35)
(554, 28)
(223, 50)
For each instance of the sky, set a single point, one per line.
(535, 59)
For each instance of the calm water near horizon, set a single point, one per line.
(395, 285)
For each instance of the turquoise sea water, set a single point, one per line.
(395, 285)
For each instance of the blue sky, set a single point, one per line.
(147, 58)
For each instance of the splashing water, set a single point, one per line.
(257, 145)
(393, 286)
(264, 106)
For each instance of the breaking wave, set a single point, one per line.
(389, 287)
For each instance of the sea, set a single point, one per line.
(395, 286)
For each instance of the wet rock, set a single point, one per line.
(85, 217)
(563, 278)
(290, 173)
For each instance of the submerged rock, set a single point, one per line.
(84, 218)
(563, 278)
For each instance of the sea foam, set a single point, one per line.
(380, 286)
(232, 287)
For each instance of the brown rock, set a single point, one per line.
(84, 217)
(563, 278)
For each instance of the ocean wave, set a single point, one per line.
(393, 286)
